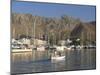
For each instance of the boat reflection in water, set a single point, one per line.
(45, 61)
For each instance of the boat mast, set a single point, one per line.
(34, 26)
(14, 32)
(90, 38)
(82, 39)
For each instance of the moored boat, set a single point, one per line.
(41, 48)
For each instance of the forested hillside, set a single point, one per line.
(53, 28)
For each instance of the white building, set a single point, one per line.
(40, 42)
(25, 41)
(62, 42)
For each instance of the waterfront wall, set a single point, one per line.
(18, 55)
(27, 55)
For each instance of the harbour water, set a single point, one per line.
(74, 60)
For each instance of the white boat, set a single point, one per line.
(41, 48)
(58, 58)
(69, 48)
(60, 48)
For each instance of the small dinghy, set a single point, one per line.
(58, 58)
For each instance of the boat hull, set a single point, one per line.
(58, 58)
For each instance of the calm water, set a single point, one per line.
(75, 60)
